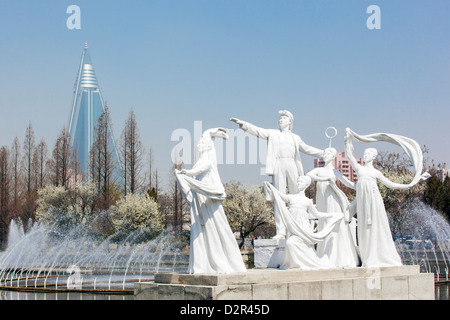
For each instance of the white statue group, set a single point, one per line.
(328, 242)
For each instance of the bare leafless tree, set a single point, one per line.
(131, 151)
(5, 188)
(16, 174)
(5, 177)
(178, 203)
(102, 163)
(150, 175)
(40, 161)
(174, 207)
(28, 151)
(61, 161)
(28, 206)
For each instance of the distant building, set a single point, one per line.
(87, 106)
(342, 164)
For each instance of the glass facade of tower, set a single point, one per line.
(87, 106)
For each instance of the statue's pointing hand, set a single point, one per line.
(237, 121)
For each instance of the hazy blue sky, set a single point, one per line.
(178, 61)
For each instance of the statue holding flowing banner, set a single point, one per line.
(339, 245)
(213, 247)
(301, 236)
(376, 246)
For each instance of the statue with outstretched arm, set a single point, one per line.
(283, 161)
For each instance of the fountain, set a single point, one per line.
(51, 259)
(425, 240)
(15, 233)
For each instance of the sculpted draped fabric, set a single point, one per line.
(410, 146)
(376, 246)
(301, 238)
(339, 245)
(213, 247)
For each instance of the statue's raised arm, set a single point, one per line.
(252, 129)
(409, 146)
(349, 150)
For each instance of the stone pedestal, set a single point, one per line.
(269, 253)
(404, 283)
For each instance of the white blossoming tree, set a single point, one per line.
(75, 204)
(137, 213)
(51, 199)
(247, 209)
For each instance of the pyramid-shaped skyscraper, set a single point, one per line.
(87, 106)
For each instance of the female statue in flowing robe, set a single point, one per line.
(213, 247)
(339, 246)
(376, 245)
(301, 236)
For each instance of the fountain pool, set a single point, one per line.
(425, 240)
(48, 259)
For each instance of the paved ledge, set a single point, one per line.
(405, 282)
(273, 275)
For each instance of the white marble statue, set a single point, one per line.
(339, 246)
(301, 236)
(213, 247)
(283, 161)
(376, 245)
